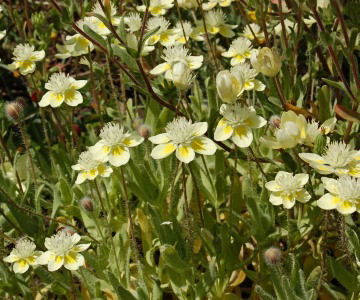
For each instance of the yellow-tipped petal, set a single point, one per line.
(185, 153)
(163, 150)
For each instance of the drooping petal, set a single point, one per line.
(226, 31)
(162, 150)
(185, 153)
(133, 140)
(223, 131)
(73, 97)
(161, 138)
(159, 69)
(328, 201)
(79, 84)
(275, 199)
(100, 150)
(45, 100)
(82, 176)
(195, 62)
(303, 196)
(242, 136)
(312, 158)
(73, 260)
(38, 55)
(27, 68)
(11, 258)
(56, 99)
(21, 266)
(55, 263)
(119, 156)
(104, 170)
(91, 174)
(203, 145)
(288, 203)
(346, 207)
(81, 247)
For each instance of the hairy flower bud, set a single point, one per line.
(272, 256)
(14, 110)
(144, 131)
(275, 121)
(228, 86)
(266, 61)
(87, 204)
(182, 76)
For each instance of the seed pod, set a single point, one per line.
(14, 110)
(87, 204)
(144, 131)
(272, 256)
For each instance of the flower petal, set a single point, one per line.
(203, 145)
(11, 258)
(81, 247)
(330, 184)
(119, 156)
(100, 150)
(133, 140)
(161, 138)
(185, 153)
(162, 150)
(275, 199)
(312, 158)
(79, 84)
(55, 263)
(199, 128)
(273, 186)
(20, 266)
(73, 260)
(346, 207)
(301, 178)
(223, 131)
(82, 176)
(45, 100)
(45, 257)
(38, 55)
(159, 69)
(328, 201)
(303, 196)
(73, 97)
(242, 136)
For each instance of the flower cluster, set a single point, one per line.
(62, 250)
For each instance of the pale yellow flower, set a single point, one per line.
(240, 50)
(25, 58)
(212, 3)
(158, 7)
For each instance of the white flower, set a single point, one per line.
(133, 21)
(292, 131)
(212, 3)
(182, 76)
(164, 35)
(158, 7)
(248, 74)
(266, 61)
(216, 23)
(344, 195)
(98, 10)
(229, 85)
(23, 256)
(63, 251)
(132, 42)
(190, 32)
(184, 137)
(174, 55)
(237, 123)
(114, 143)
(62, 87)
(75, 45)
(90, 167)
(25, 57)
(240, 49)
(187, 3)
(287, 188)
(257, 31)
(338, 159)
(322, 3)
(313, 129)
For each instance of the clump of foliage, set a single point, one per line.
(179, 149)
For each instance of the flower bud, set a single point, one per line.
(272, 256)
(87, 204)
(144, 131)
(228, 86)
(14, 110)
(182, 77)
(67, 229)
(266, 61)
(275, 121)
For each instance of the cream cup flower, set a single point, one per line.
(240, 49)
(344, 195)
(338, 159)
(23, 256)
(62, 88)
(90, 167)
(75, 45)
(164, 35)
(229, 85)
(182, 76)
(248, 74)
(25, 57)
(183, 137)
(115, 20)
(132, 42)
(216, 23)
(157, 7)
(133, 22)
(190, 32)
(266, 61)
(287, 188)
(257, 33)
(114, 144)
(291, 132)
(237, 124)
(212, 3)
(173, 55)
(313, 129)
(62, 250)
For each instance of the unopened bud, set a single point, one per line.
(87, 204)
(228, 86)
(14, 110)
(144, 131)
(182, 76)
(266, 61)
(272, 256)
(275, 121)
